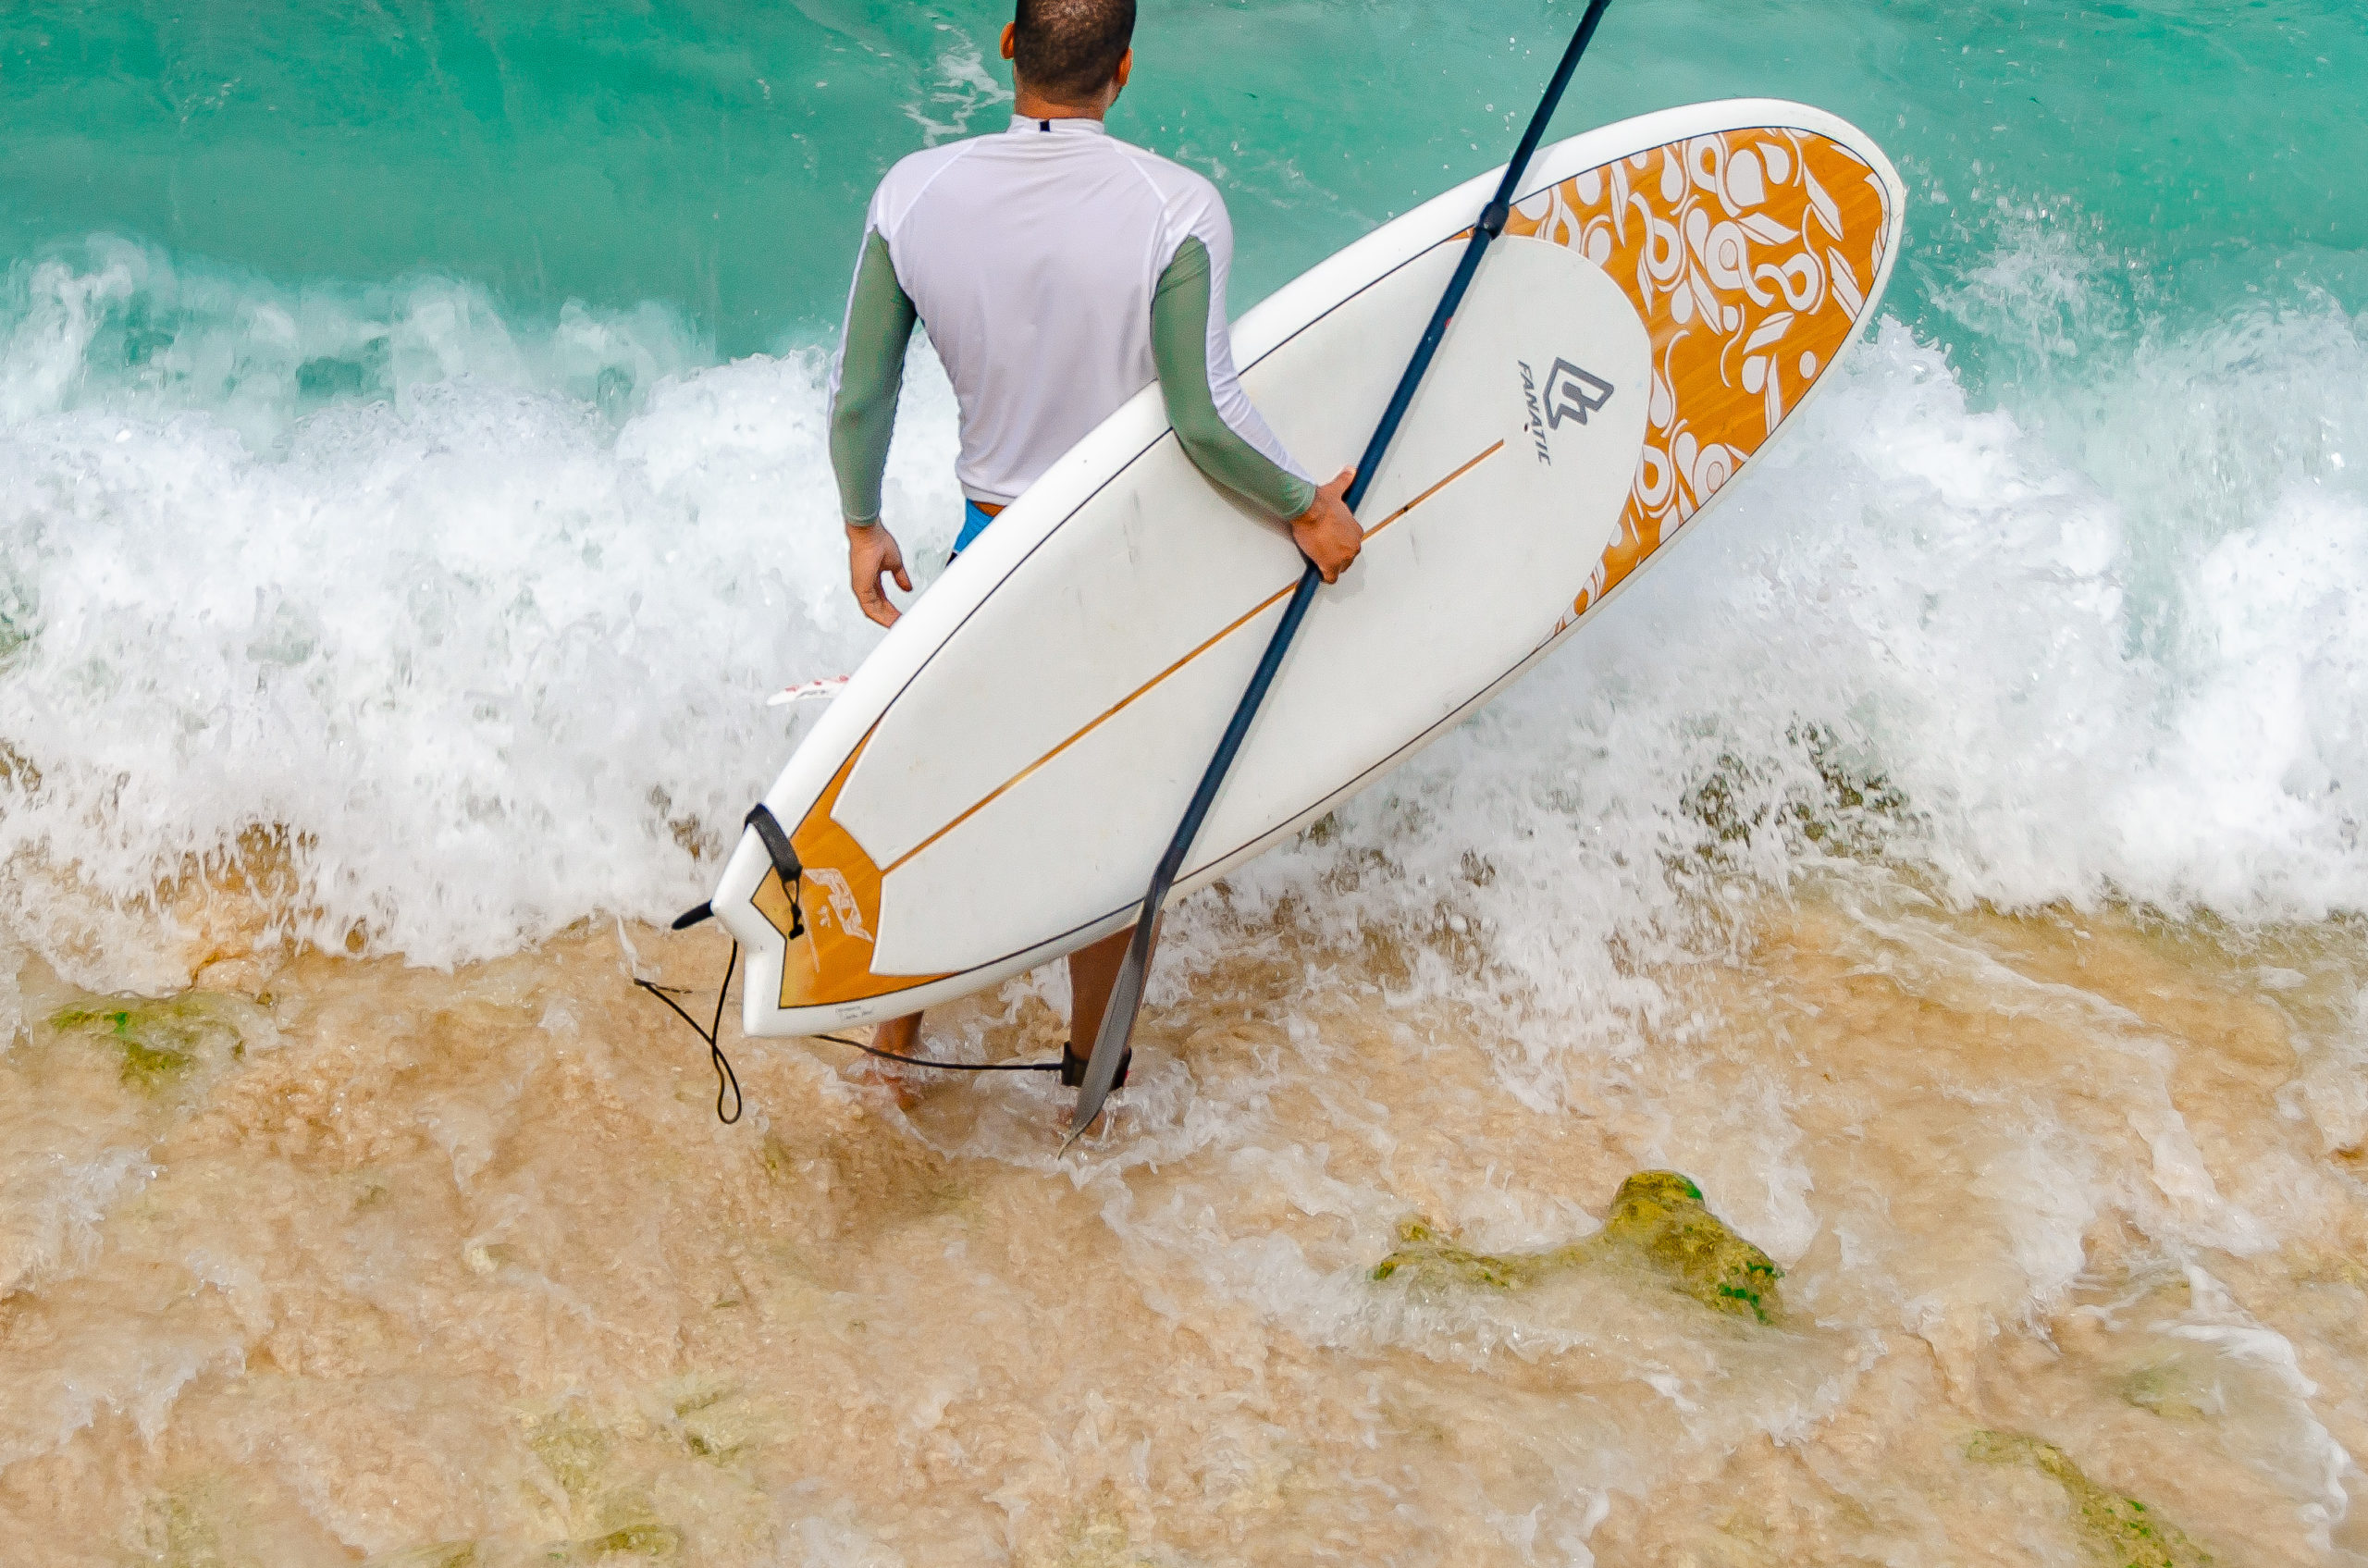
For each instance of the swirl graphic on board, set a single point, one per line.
(1748, 254)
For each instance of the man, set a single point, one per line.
(1059, 271)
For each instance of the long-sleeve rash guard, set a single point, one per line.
(1059, 271)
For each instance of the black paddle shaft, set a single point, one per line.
(1126, 996)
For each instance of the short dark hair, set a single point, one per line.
(1068, 50)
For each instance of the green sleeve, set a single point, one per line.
(871, 369)
(1179, 347)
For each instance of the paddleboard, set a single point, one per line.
(992, 787)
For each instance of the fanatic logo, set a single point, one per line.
(841, 897)
(1572, 393)
(1535, 428)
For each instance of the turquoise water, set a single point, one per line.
(715, 157)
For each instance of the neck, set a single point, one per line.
(1029, 105)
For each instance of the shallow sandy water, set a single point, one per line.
(339, 1260)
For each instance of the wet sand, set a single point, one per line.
(333, 1261)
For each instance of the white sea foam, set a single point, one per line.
(53, 1204)
(1914, 626)
(491, 663)
(117, 326)
(483, 621)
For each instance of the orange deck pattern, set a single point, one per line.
(1748, 254)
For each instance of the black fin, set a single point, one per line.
(784, 859)
(1073, 1068)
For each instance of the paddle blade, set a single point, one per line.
(1118, 1027)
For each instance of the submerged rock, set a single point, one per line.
(1097, 1537)
(2120, 1531)
(2175, 1388)
(1659, 1214)
(1428, 1260)
(711, 1422)
(438, 1554)
(643, 1537)
(574, 1451)
(161, 1042)
(1658, 1221)
(609, 1519)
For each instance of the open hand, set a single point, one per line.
(1327, 532)
(872, 556)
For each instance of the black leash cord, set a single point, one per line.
(727, 1083)
(941, 1067)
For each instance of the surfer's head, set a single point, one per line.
(1072, 52)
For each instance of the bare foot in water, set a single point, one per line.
(901, 1037)
(906, 1084)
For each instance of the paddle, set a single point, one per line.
(1127, 994)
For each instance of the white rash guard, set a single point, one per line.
(1037, 259)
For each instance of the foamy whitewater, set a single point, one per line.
(489, 651)
(1948, 857)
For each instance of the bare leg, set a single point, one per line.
(901, 1036)
(904, 1035)
(1093, 971)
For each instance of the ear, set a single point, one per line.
(1010, 40)
(1126, 68)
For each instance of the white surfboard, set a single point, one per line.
(991, 789)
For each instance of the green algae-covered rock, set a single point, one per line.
(1096, 1537)
(438, 1554)
(643, 1537)
(609, 1519)
(2119, 1531)
(1659, 1216)
(161, 1042)
(573, 1451)
(1658, 1222)
(1429, 1260)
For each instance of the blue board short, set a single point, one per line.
(975, 519)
